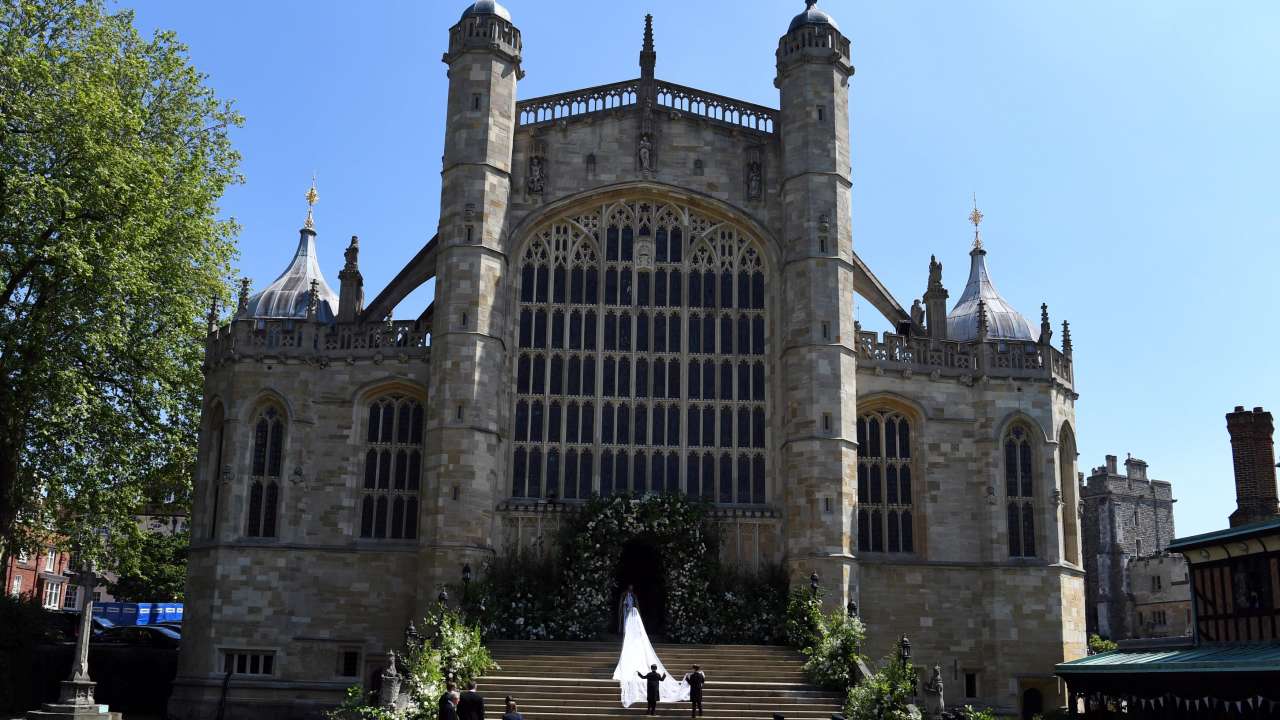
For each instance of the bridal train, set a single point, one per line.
(637, 655)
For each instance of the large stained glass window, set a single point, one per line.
(642, 359)
(885, 492)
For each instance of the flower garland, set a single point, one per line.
(593, 548)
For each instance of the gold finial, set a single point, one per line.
(312, 197)
(975, 217)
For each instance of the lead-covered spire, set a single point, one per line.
(1003, 321)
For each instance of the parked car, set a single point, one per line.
(141, 636)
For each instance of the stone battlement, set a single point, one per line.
(677, 100)
(304, 340)
(997, 358)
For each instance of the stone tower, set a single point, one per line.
(819, 447)
(1125, 516)
(1254, 460)
(465, 453)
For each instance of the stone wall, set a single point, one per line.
(1161, 594)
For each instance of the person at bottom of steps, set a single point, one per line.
(651, 687)
(696, 680)
(511, 713)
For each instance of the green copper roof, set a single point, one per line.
(1232, 657)
(1217, 536)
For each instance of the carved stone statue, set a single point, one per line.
(646, 153)
(934, 702)
(755, 180)
(917, 316)
(537, 179)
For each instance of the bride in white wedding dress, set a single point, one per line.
(637, 656)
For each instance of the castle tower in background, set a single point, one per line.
(818, 360)
(1126, 517)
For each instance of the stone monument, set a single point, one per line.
(75, 699)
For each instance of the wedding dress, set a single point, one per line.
(637, 656)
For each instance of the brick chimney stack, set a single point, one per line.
(1254, 458)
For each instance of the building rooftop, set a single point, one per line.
(1234, 657)
(812, 16)
(1243, 532)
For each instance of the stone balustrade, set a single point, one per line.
(305, 340)
(995, 358)
(671, 97)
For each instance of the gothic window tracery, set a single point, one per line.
(392, 475)
(264, 476)
(641, 364)
(885, 491)
(1019, 475)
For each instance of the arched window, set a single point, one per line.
(392, 459)
(886, 491)
(1019, 490)
(264, 478)
(663, 306)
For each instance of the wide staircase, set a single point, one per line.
(562, 680)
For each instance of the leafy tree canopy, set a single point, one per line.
(156, 571)
(113, 154)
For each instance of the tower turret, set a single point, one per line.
(819, 446)
(464, 447)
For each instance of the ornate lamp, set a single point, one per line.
(443, 597)
(852, 609)
(466, 575)
(904, 650)
(813, 582)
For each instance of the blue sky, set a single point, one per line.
(1125, 156)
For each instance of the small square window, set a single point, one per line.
(349, 663)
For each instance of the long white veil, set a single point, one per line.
(637, 656)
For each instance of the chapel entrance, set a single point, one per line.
(641, 567)
(1032, 703)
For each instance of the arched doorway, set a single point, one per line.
(640, 568)
(1032, 703)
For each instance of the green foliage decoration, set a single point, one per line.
(804, 618)
(970, 712)
(593, 547)
(886, 695)
(114, 152)
(833, 658)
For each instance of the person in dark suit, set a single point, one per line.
(471, 703)
(696, 680)
(511, 713)
(449, 706)
(651, 687)
(444, 698)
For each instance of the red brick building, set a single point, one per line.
(43, 575)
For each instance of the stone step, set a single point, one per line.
(557, 680)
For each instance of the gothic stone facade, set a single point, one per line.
(640, 287)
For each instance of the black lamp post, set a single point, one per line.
(904, 650)
(852, 609)
(466, 574)
(813, 582)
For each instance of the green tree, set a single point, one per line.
(113, 154)
(156, 571)
(1099, 644)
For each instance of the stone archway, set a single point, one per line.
(640, 568)
(662, 535)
